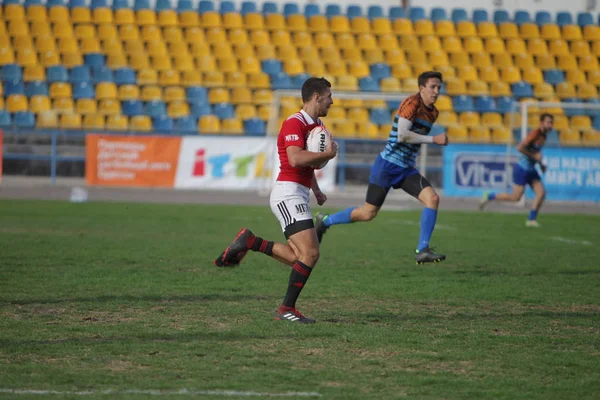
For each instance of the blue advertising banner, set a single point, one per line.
(471, 169)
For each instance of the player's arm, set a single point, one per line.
(523, 146)
(408, 136)
(298, 157)
(320, 196)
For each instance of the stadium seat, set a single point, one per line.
(569, 137)
(93, 122)
(47, 120)
(480, 15)
(23, 119)
(479, 134)
(457, 133)
(209, 124)
(543, 90)
(162, 123)
(185, 125)
(501, 16)
(39, 103)
(543, 18)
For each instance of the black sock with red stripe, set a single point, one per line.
(259, 244)
(298, 278)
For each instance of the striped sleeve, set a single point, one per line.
(408, 108)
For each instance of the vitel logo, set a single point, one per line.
(225, 165)
(483, 170)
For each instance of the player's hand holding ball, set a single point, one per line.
(320, 141)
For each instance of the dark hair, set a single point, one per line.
(425, 76)
(546, 115)
(314, 85)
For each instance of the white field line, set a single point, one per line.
(571, 241)
(181, 392)
(437, 226)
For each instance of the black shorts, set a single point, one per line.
(413, 185)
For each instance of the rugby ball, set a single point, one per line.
(317, 141)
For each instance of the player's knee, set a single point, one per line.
(433, 201)
(369, 215)
(310, 256)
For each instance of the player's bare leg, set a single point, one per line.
(514, 196)
(430, 199)
(365, 213)
(540, 195)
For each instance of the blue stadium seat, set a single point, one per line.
(501, 16)
(379, 116)
(80, 73)
(281, 81)
(291, 9)
(83, 90)
(554, 76)
(205, 5)
(125, 76)
(380, 70)
(36, 89)
(463, 103)
(186, 125)
(77, 3)
(162, 5)
(375, 11)
(353, 11)
(24, 119)
(162, 123)
(572, 112)
(196, 94)
(200, 109)
(132, 108)
(119, 4)
(226, 7)
(299, 80)
(459, 14)
(397, 12)
(443, 89)
(392, 105)
(155, 108)
(248, 7)
(521, 89)
(480, 15)
(270, 7)
(57, 73)
(224, 110)
(102, 74)
(13, 87)
(484, 104)
(417, 13)
(98, 4)
(141, 5)
(584, 19)
(255, 127)
(439, 14)
(271, 66)
(368, 84)
(522, 17)
(29, 3)
(504, 104)
(5, 120)
(94, 59)
(11, 72)
(7, 2)
(543, 18)
(311, 10)
(564, 18)
(56, 3)
(331, 10)
(596, 123)
(184, 5)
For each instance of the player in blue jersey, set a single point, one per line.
(395, 167)
(524, 173)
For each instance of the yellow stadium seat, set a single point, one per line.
(60, 90)
(302, 39)
(558, 47)
(90, 45)
(543, 90)
(588, 63)
(479, 134)
(367, 129)
(571, 32)
(106, 90)
(139, 61)
(532, 75)
(390, 85)
(473, 45)
(195, 36)
(587, 91)
(259, 81)
(14, 12)
(477, 88)
(345, 129)
(46, 120)
(114, 46)
(410, 43)
(575, 76)
(452, 44)
(262, 96)
(590, 137)
(232, 126)
(481, 60)
(459, 59)
(387, 42)
(276, 22)
(280, 38)
(35, 13)
(63, 105)
(403, 26)
(189, 19)
(324, 40)
(516, 46)
(129, 32)
(18, 28)
(117, 122)
(580, 48)
(510, 74)
(124, 16)
(39, 103)
(395, 57)
(287, 52)
(444, 103)
(235, 79)
(107, 32)
(508, 30)
(102, 15)
(565, 90)
(183, 62)
(373, 56)
(529, 30)
(150, 93)
(69, 121)
(213, 79)
(241, 95)
(68, 45)
(486, 29)
(593, 77)
(469, 119)
(34, 73)
(550, 32)
(318, 23)
(465, 29)
(178, 109)
(93, 122)
(347, 82)
(524, 61)
(169, 18)
(491, 119)
(211, 19)
(500, 88)
(26, 57)
(457, 133)
(216, 36)
(147, 76)
(85, 31)
(109, 107)
(560, 122)
(222, 51)
(444, 28)
(86, 106)
(21, 43)
(264, 112)
(71, 60)
(345, 41)
(456, 86)
(173, 34)
(237, 36)
(430, 43)
(352, 54)
(218, 95)
(161, 63)
(580, 122)
(117, 60)
(247, 111)
(366, 41)
(359, 69)
(545, 61)
(314, 67)
(259, 37)
(129, 92)
(254, 21)
(49, 58)
(424, 27)
(336, 113)
(157, 49)
(569, 137)
(438, 58)
(296, 23)
(467, 73)
(309, 54)
(190, 78)
(336, 68)
(591, 32)
(339, 24)
(381, 26)
(512, 119)
(152, 34)
(140, 123)
(447, 71)
(209, 123)
(37, 29)
(58, 14)
(358, 114)
(174, 93)
(495, 46)
(81, 15)
(227, 64)
(501, 134)
(567, 62)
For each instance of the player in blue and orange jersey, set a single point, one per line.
(524, 173)
(395, 167)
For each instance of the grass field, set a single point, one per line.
(124, 297)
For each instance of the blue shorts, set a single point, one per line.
(387, 174)
(522, 176)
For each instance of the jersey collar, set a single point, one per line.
(307, 117)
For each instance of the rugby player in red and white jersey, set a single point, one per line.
(290, 200)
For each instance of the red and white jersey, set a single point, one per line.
(294, 132)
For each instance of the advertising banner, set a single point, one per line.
(471, 169)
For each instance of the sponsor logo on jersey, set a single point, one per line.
(292, 138)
